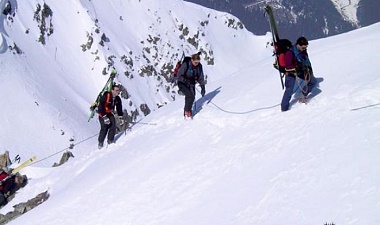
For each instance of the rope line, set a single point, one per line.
(143, 123)
(232, 112)
(364, 107)
(88, 138)
(70, 147)
(246, 112)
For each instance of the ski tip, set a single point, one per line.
(23, 165)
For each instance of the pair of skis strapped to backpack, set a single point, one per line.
(280, 47)
(19, 168)
(107, 87)
(275, 39)
(23, 165)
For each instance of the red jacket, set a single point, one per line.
(8, 184)
(107, 104)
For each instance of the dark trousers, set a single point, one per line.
(189, 92)
(3, 199)
(110, 129)
(290, 80)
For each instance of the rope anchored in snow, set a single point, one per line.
(72, 145)
(364, 107)
(234, 112)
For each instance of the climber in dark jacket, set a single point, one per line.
(189, 74)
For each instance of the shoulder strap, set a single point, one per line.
(187, 68)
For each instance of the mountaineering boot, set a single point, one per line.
(188, 114)
(100, 145)
(302, 99)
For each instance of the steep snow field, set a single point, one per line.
(240, 161)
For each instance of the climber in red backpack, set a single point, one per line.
(9, 184)
(297, 66)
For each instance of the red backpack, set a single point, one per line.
(3, 175)
(186, 59)
(281, 47)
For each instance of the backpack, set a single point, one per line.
(281, 47)
(107, 87)
(186, 59)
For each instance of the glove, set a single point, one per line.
(174, 80)
(203, 91)
(121, 121)
(7, 194)
(106, 120)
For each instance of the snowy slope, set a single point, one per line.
(313, 164)
(240, 161)
(58, 81)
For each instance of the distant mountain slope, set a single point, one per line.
(368, 12)
(348, 10)
(314, 19)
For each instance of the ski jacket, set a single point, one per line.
(108, 103)
(8, 184)
(190, 74)
(301, 57)
(296, 60)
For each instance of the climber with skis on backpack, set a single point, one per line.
(189, 74)
(9, 184)
(108, 102)
(297, 66)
